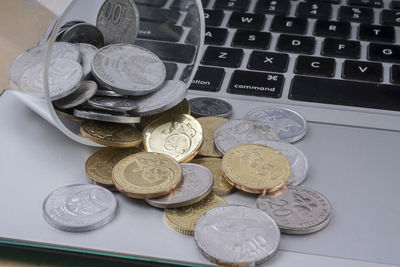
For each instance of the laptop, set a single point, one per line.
(333, 61)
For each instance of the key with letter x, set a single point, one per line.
(267, 61)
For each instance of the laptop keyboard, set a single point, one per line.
(345, 51)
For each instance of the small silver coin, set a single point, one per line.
(128, 69)
(197, 184)
(85, 91)
(234, 235)
(171, 94)
(79, 208)
(106, 92)
(289, 125)
(83, 33)
(118, 20)
(207, 106)
(113, 103)
(87, 112)
(239, 132)
(298, 210)
(87, 52)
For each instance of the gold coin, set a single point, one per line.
(99, 165)
(220, 187)
(181, 108)
(111, 134)
(209, 125)
(67, 115)
(255, 168)
(183, 220)
(147, 175)
(179, 137)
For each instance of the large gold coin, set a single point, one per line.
(220, 187)
(147, 175)
(183, 220)
(179, 137)
(99, 165)
(209, 125)
(111, 134)
(255, 168)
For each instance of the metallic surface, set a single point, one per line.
(207, 106)
(87, 52)
(91, 113)
(86, 89)
(113, 103)
(210, 125)
(83, 33)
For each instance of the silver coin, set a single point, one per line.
(128, 69)
(171, 94)
(207, 106)
(289, 125)
(83, 33)
(69, 24)
(298, 210)
(64, 76)
(239, 132)
(35, 55)
(90, 113)
(197, 184)
(113, 103)
(85, 91)
(87, 52)
(234, 235)
(78, 208)
(106, 92)
(118, 20)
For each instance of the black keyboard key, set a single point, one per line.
(205, 3)
(332, 29)
(275, 7)
(213, 17)
(384, 52)
(318, 66)
(390, 17)
(356, 14)
(171, 69)
(289, 25)
(215, 36)
(267, 61)
(367, 3)
(341, 48)
(239, 5)
(161, 32)
(208, 79)
(296, 44)
(362, 70)
(395, 4)
(256, 84)
(169, 51)
(325, 1)
(224, 57)
(251, 39)
(249, 21)
(158, 14)
(349, 93)
(314, 10)
(395, 74)
(376, 33)
(157, 3)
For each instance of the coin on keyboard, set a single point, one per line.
(220, 187)
(197, 184)
(83, 33)
(210, 125)
(118, 20)
(92, 113)
(208, 106)
(234, 235)
(113, 103)
(79, 208)
(179, 137)
(183, 220)
(255, 168)
(147, 175)
(111, 134)
(86, 89)
(128, 69)
(289, 125)
(297, 210)
(99, 165)
(238, 132)
(87, 52)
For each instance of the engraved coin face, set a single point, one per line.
(210, 125)
(298, 210)
(255, 168)
(238, 132)
(78, 208)
(111, 134)
(179, 137)
(86, 89)
(128, 69)
(197, 184)
(92, 113)
(113, 103)
(235, 235)
(118, 20)
(289, 125)
(83, 33)
(207, 106)
(147, 175)
(87, 52)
